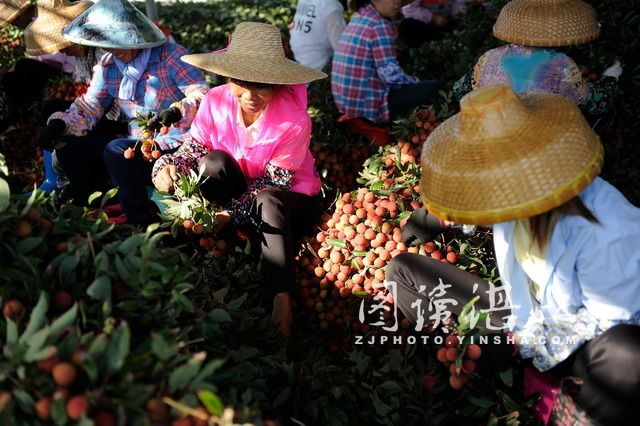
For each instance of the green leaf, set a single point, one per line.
(40, 354)
(26, 245)
(480, 400)
(108, 195)
(98, 346)
(181, 376)
(85, 421)
(59, 412)
(337, 242)
(208, 370)
(5, 195)
(161, 348)
(509, 403)
(102, 262)
(282, 397)
(12, 332)
(69, 263)
(219, 315)
(182, 300)
(37, 319)
(118, 348)
(38, 339)
(64, 320)
(236, 303)
(90, 366)
(25, 401)
(122, 269)
(131, 244)
(94, 196)
(211, 402)
(506, 376)
(391, 386)
(100, 288)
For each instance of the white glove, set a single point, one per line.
(614, 70)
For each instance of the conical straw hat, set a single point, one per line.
(44, 34)
(547, 22)
(255, 54)
(506, 156)
(11, 9)
(114, 24)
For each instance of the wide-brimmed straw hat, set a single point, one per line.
(255, 54)
(44, 34)
(11, 9)
(506, 156)
(547, 22)
(114, 24)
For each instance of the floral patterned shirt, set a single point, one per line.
(534, 69)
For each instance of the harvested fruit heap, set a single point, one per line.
(345, 262)
(19, 144)
(65, 88)
(339, 166)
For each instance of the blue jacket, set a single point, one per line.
(593, 277)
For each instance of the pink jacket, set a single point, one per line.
(283, 141)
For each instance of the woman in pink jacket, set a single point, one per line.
(252, 136)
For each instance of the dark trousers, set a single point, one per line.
(131, 177)
(279, 217)
(404, 99)
(82, 162)
(608, 364)
(96, 163)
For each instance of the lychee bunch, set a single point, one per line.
(459, 353)
(148, 145)
(460, 358)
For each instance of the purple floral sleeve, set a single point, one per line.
(274, 177)
(185, 158)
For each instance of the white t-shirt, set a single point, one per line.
(315, 30)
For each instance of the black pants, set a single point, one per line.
(608, 364)
(278, 216)
(404, 99)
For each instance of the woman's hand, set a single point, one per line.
(222, 219)
(166, 178)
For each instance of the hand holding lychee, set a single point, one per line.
(165, 118)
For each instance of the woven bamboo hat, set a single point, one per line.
(44, 34)
(547, 22)
(114, 24)
(11, 9)
(506, 156)
(255, 54)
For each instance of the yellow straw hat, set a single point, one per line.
(547, 22)
(44, 34)
(255, 54)
(11, 9)
(506, 156)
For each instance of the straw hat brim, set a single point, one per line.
(44, 34)
(10, 10)
(479, 174)
(254, 67)
(547, 23)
